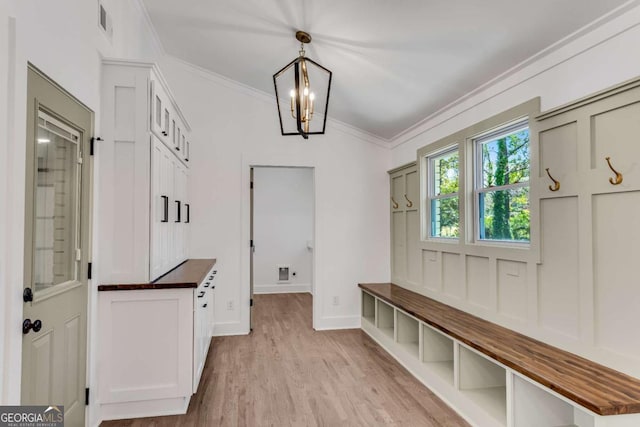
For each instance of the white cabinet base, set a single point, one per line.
(146, 349)
(145, 408)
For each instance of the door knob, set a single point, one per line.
(27, 295)
(27, 326)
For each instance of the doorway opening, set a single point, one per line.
(282, 232)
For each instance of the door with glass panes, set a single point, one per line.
(57, 228)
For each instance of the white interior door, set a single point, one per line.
(57, 228)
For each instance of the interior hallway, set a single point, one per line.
(287, 374)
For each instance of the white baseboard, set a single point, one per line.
(228, 328)
(282, 288)
(338, 322)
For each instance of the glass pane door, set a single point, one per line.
(56, 203)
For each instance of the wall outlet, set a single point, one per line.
(336, 300)
(230, 305)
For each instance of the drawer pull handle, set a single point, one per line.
(618, 179)
(556, 184)
(201, 294)
(165, 209)
(395, 204)
(207, 284)
(410, 203)
(178, 211)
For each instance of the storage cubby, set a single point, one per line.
(437, 353)
(484, 382)
(408, 335)
(535, 407)
(385, 319)
(368, 307)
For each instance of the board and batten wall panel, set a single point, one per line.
(414, 261)
(431, 271)
(558, 287)
(452, 275)
(580, 294)
(480, 289)
(399, 245)
(616, 270)
(512, 289)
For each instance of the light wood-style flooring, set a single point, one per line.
(287, 374)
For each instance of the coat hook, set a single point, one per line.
(395, 204)
(618, 179)
(410, 204)
(556, 184)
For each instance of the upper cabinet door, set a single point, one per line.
(161, 112)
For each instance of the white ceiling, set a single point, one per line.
(393, 62)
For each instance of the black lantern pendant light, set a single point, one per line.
(302, 93)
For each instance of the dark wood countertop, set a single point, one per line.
(591, 385)
(189, 274)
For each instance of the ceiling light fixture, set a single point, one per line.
(304, 86)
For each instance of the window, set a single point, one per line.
(502, 184)
(443, 194)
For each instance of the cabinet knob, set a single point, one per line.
(204, 305)
(27, 295)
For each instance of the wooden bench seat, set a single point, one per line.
(591, 385)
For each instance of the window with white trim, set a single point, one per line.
(443, 199)
(501, 184)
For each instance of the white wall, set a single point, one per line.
(235, 128)
(63, 40)
(5, 104)
(502, 286)
(282, 228)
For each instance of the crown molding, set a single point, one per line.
(522, 72)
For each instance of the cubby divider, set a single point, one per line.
(408, 333)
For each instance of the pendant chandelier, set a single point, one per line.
(302, 93)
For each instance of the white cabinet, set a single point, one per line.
(203, 304)
(170, 209)
(154, 343)
(143, 176)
